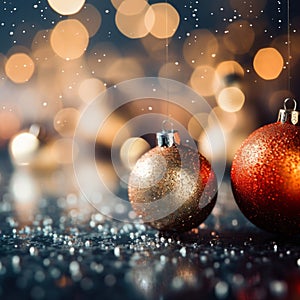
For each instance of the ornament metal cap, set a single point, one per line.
(167, 138)
(289, 115)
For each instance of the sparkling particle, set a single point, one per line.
(278, 288)
(221, 290)
(183, 251)
(117, 251)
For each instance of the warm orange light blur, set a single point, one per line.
(124, 69)
(90, 17)
(227, 120)
(229, 67)
(268, 63)
(69, 39)
(204, 80)
(101, 57)
(9, 125)
(131, 150)
(66, 7)
(166, 20)
(90, 88)
(62, 151)
(175, 70)
(231, 99)
(132, 24)
(132, 7)
(65, 121)
(19, 68)
(197, 124)
(239, 37)
(116, 3)
(200, 47)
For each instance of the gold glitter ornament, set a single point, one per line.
(172, 187)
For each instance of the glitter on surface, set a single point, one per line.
(167, 177)
(265, 178)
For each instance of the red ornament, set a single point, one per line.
(265, 175)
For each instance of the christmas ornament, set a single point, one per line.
(265, 174)
(172, 187)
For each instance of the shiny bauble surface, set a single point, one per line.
(172, 188)
(265, 178)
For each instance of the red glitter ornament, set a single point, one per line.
(265, 175)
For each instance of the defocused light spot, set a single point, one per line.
(19, 67)
(226, 120)
(22, 148)
(9, 124)
(124, 69)
(90, 17)
(200, 47)
(65, 121)
(132, 25)
(116, 3)
(132, 7)
(101, 57)
(90, 88)
(166, 20)
(231, 99)
(268, 63)
(66, 7)
(132, 150)
(204, 80)
(69, 39)
(197, 124)
(62, 151)
(229, 68)
(176, 71)
(239, 37)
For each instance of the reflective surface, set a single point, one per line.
(60, 248)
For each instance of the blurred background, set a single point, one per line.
(56, 57)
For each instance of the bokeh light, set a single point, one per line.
(230, 68)
(131, 150)
(197, 124)
(131, 22)
(9, 125)
(231, 99)
(23, 148)
(268, 63)
(19, 67)
(205, 81)
(162, 20)
(90, 88)
(239, 37)
(66, 7)
(62, 151)
(69, 39)
(90, 17)
(200, 47)
(65, 121)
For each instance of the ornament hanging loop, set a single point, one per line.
(289, 115)
(290, 100)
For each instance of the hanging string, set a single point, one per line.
(167, 54)
(288, 47)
